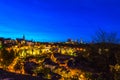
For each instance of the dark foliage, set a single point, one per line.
(7, 56)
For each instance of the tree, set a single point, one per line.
(102, 36)
(29, 67)
(7, 57)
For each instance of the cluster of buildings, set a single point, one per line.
(26, 47)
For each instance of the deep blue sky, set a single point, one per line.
(57, 20)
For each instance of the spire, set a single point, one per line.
(23, 37)
(81, 41)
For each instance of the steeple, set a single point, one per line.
(81, 41)
(23, 37)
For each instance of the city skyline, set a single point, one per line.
(53, 20)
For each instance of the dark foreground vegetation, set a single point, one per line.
(5, 75)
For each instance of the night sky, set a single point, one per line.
(58, 20)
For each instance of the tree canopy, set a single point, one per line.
(102, 36)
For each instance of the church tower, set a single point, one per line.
(23, 37)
